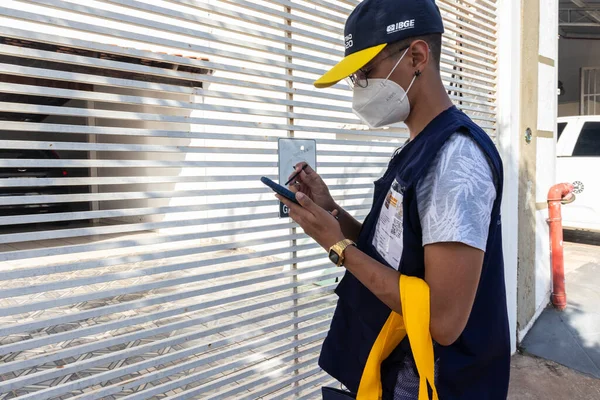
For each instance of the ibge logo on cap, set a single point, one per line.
(349, 41)
(401, 26)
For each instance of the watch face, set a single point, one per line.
(334, 257)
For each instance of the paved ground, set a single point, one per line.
(534, 378)
(572, 337)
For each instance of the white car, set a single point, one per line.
(578, 162)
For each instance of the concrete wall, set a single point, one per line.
(539, 53)
(509, 72)
(573, 55)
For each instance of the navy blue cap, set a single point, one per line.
(375, 23)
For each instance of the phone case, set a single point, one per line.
(288, 194)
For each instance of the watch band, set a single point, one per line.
(336, 252)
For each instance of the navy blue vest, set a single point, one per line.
(477, 365)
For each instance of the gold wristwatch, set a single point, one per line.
(336, 252)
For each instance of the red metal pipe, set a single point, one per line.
(557, 194)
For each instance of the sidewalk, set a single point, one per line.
(538, 379)
(572, 337)
(568, 342)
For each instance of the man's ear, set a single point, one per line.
(420, 55)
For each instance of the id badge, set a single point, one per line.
(388, 236)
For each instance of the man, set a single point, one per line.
(435, 215)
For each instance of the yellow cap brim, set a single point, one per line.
(348, 66)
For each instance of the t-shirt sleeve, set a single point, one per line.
(456, 196)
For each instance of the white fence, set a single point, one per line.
(164, 270)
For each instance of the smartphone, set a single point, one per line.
(288, 194)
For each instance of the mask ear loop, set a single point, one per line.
(349, 83)
(396, 66)
(417, 74)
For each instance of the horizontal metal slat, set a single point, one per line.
(140, 242)
(119, 196)
(77, 163)
(128, 228)
(134, 180)
(132, 148)
(125, 228)
(131, 212)
(148, 148)
(137, 116)
(116, 131)
(93, 79)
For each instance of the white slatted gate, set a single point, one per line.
(590, 91)
(140, 256)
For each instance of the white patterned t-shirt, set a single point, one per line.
(456, 196)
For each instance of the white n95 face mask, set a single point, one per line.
(382, 102)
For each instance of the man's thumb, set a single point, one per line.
(304, 200)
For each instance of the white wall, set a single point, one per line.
(573, 55)
(509, 71)
(545, 151)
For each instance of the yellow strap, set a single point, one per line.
(415, 308)
(414, 293)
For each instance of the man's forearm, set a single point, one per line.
(382, 281)
(350, 226)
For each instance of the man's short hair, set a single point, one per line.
(434, 41)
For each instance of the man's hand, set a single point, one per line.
(314, 220)
(311, 184)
